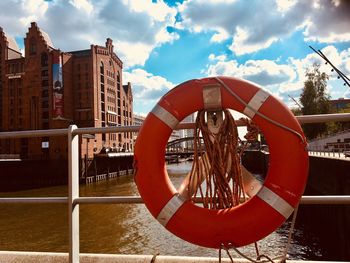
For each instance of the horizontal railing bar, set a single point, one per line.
(306, 200)
(135, 128)
(34, 200)
(325, 200)
(109, 200)
(323, 118)
(33, 133)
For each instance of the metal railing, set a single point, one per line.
(73, 199)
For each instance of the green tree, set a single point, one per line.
(315, 100)
(341, 126)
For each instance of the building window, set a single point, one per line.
(102, 69)
(44, 73)
(45, 83)
(32, 47)
(45, 93)
(45, 114)
(44, 59)
(45, 104)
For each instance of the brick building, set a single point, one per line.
(50, 89)
(340, 104)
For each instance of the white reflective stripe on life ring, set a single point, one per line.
(275, 201)
(170, 209)
(165, 116)
(255, 103)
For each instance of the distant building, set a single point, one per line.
(138, 120)
(338, 142)
(340, 104)
(49, 89)
(189, 132)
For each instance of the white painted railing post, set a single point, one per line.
(73, 194)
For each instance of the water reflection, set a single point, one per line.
(107, 228)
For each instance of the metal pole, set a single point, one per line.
(73, 194)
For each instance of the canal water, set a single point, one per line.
(118, 228)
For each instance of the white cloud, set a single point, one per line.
(284, 80)
(338, 59)
(262, 72)
(147, 88)
(83, 4)
(135, 54)
(37, 8)
(329, 22)
(76, 24)
(284, 5)
(250, 31)
(220, 36)
(24, 11)
(213, 57)
(240, 44)
(159, 10)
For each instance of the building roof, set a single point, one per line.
(126, 88)
(12, 44)
(81, 53)
(46, 38)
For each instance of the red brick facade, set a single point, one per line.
(49, 89)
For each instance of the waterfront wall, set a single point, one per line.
(21, 175)
(327, 176)
(27, 174)
(257, 162)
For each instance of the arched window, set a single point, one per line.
(44, 59)
(102, 68)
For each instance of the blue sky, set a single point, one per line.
(163, 43)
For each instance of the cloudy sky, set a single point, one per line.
(166, 42)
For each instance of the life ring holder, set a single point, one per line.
(261, 214)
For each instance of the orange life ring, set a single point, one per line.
(254, 219)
